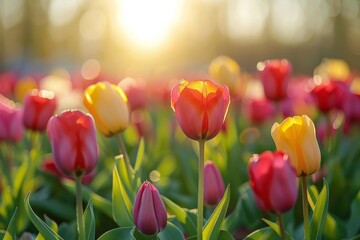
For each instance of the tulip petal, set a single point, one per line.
(146, 217)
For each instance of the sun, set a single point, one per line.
(148, 23)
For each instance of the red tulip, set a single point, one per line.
(72, 136)
(149, 212)
(329, 95)
(11, 124)
(275, 75)
(39, 106)
(273, 181)
(200, 107)
(214, 187)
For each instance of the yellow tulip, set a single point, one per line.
(296, 136)
(225, 70)
(107, 103)
(23, 87)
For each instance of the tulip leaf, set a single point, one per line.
(99, 202)
(182, 215)
(123, 233)
(40, 225)
(246, 213)
(52, 224)
(353, 224)
(263, 233)
(171, 232)
(320, 213)
(126, 176)
(121, 203)
(276, 228)
(140, 155)
(224, 235)
(138, 164)
(89, 219)
(212, 227)
(11, 230)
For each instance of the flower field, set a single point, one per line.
(228, 155)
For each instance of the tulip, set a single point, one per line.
(39, 107)
(273, 181)
(135, 92)
(107, 103)
(258, 110)
(214, 187)
(11, 124)
(149, 212)
(296, 136)
(328, 96)
(200, 107)
(72, 136)
(225, 70)
(275, 75)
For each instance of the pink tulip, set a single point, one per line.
(258, 110)
(149, 212)
(11, 125)
(273, 181)
(39, 107)
(214, 187)
(72, 136)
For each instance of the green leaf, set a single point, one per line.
(89, 221)
(138, 163)
(313, 194)
(320, 212)
(212, 227)
(263, 234)
(123, 233)
(139, 156)
(353, 224)
(121, 203)
(40, 225)
(224, 235)
(11, 230)
(171, 232)
(182, 215)
(2, 234)
(52, 224)
(276, 228)
(99, 202)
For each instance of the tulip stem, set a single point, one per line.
(305, 208)
(200, 190)
(79, 209)
(281, 224)
(124, 153)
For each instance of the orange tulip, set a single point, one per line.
(200, 107)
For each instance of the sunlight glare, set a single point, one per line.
(147, 23)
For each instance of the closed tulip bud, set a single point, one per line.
(72, 136)
(200, 107)
(273, 181)
(297, 137)
(149, 212)
(39, 107)
(107, 103)
(275, 75)
(11, 121)
(225, 70)
(214, 187)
